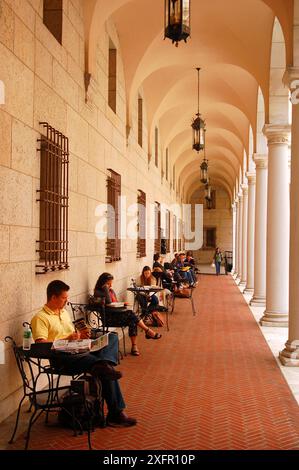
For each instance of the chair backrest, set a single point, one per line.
(78, 310)
(24, 366)
(158, 276)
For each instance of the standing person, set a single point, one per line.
(217, 260)
(53, 322)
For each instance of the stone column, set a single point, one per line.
(236, 249)
(290, 355)
(260, 231)
(250, 233)
(234, 208)
(240, 233)
(244, 235)
(278, 227)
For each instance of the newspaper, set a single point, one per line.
(81, 345)
(99, 342)
(72, 347)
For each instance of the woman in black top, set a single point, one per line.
(118, 317)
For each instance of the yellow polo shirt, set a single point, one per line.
(49, 326)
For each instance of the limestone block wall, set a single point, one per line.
(44, 81)
(220, 218)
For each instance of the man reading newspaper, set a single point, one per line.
(53, 323)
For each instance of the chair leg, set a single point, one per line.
(193, 306)
(33, 419)
(17, 421)
(124, 341)
(167, 315)
(173, 304)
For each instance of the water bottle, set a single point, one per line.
(27, 337)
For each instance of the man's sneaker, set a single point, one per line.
(105, 371)
(120, 420)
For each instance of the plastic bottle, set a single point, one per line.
(27, 337)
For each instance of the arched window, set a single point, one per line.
(52, 17)
(112, 76)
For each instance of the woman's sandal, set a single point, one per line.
(134, 350)
(156, 336)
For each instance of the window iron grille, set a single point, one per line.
(54, 201)
(113, 245)
(141, 240)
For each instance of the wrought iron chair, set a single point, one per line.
(94, 315)
(178, 295)
(42, 400)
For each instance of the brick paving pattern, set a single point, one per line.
(211, 382)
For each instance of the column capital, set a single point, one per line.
(277, 133)
(261, 161)
(291, 78)
(251, 177)
(244, 189)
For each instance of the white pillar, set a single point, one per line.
(278, 227)
(244, 235)
(236, 250)
(290, 355)
(234, 208)
(250, 233)
(260, 231)
(240, 233)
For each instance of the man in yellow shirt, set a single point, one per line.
(52, 323)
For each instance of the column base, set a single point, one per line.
(248, 290)
(289, 357)
(242, 284)
(258, 301)
(274, 319)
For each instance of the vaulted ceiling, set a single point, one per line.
(232, 42)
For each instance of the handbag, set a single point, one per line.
(183, 293)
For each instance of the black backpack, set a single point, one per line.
(83, 411)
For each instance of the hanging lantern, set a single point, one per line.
(177, 20)
(209, 204)
(208, 191)
(204, 171)
(198, 125)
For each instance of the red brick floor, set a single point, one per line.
(211, 382)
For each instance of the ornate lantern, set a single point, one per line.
(204, 171)
(198, 126)
(177, 20)
(208, 191)
(209, 204)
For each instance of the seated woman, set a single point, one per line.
(148, 279)
(114, 317)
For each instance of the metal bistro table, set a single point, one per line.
(43, 398)
(146, 291)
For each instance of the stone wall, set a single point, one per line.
(45, 82)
